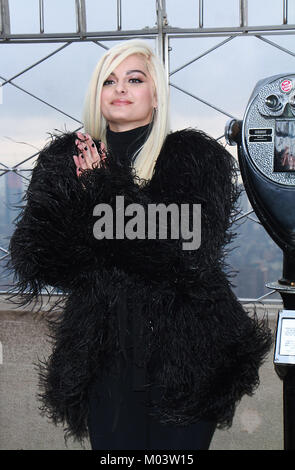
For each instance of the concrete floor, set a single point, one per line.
(258, 422)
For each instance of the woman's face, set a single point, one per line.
(128, 95)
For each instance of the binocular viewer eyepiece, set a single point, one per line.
(279, 104)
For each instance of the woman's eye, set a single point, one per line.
(108, 82)
(135, 80)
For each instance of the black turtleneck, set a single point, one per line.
(123, 145)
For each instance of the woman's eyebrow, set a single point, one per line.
(129, 72)
(138, 71)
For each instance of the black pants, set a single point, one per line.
(119, 421)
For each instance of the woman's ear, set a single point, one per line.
(155, 101)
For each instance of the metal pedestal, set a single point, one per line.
(286, 372)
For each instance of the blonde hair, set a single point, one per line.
(95, 123)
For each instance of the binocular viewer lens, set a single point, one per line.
(273, 102)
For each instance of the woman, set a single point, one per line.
(152, 350)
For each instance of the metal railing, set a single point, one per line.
(163, 27)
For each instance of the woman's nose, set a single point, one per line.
(121, 87)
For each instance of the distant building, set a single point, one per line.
(11, 191)
(13, 194)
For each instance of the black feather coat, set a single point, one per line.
(200, 347)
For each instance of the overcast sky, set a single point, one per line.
(225, 78)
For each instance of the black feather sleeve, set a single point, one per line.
(53, 241)
(196, 169)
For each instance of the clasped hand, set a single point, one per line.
(89, 157)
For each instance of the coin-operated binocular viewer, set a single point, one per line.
(266, 152)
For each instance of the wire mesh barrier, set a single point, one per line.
(214, 52)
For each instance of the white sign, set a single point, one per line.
(287, 346)
(285, 338)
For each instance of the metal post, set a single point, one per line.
(1, 17)
(81, 17)
(243, 13)
(4, 17)
(287, 373)
(41, 15)
(285, 11)
(162, 40)
(201, 14)
(119, 15)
